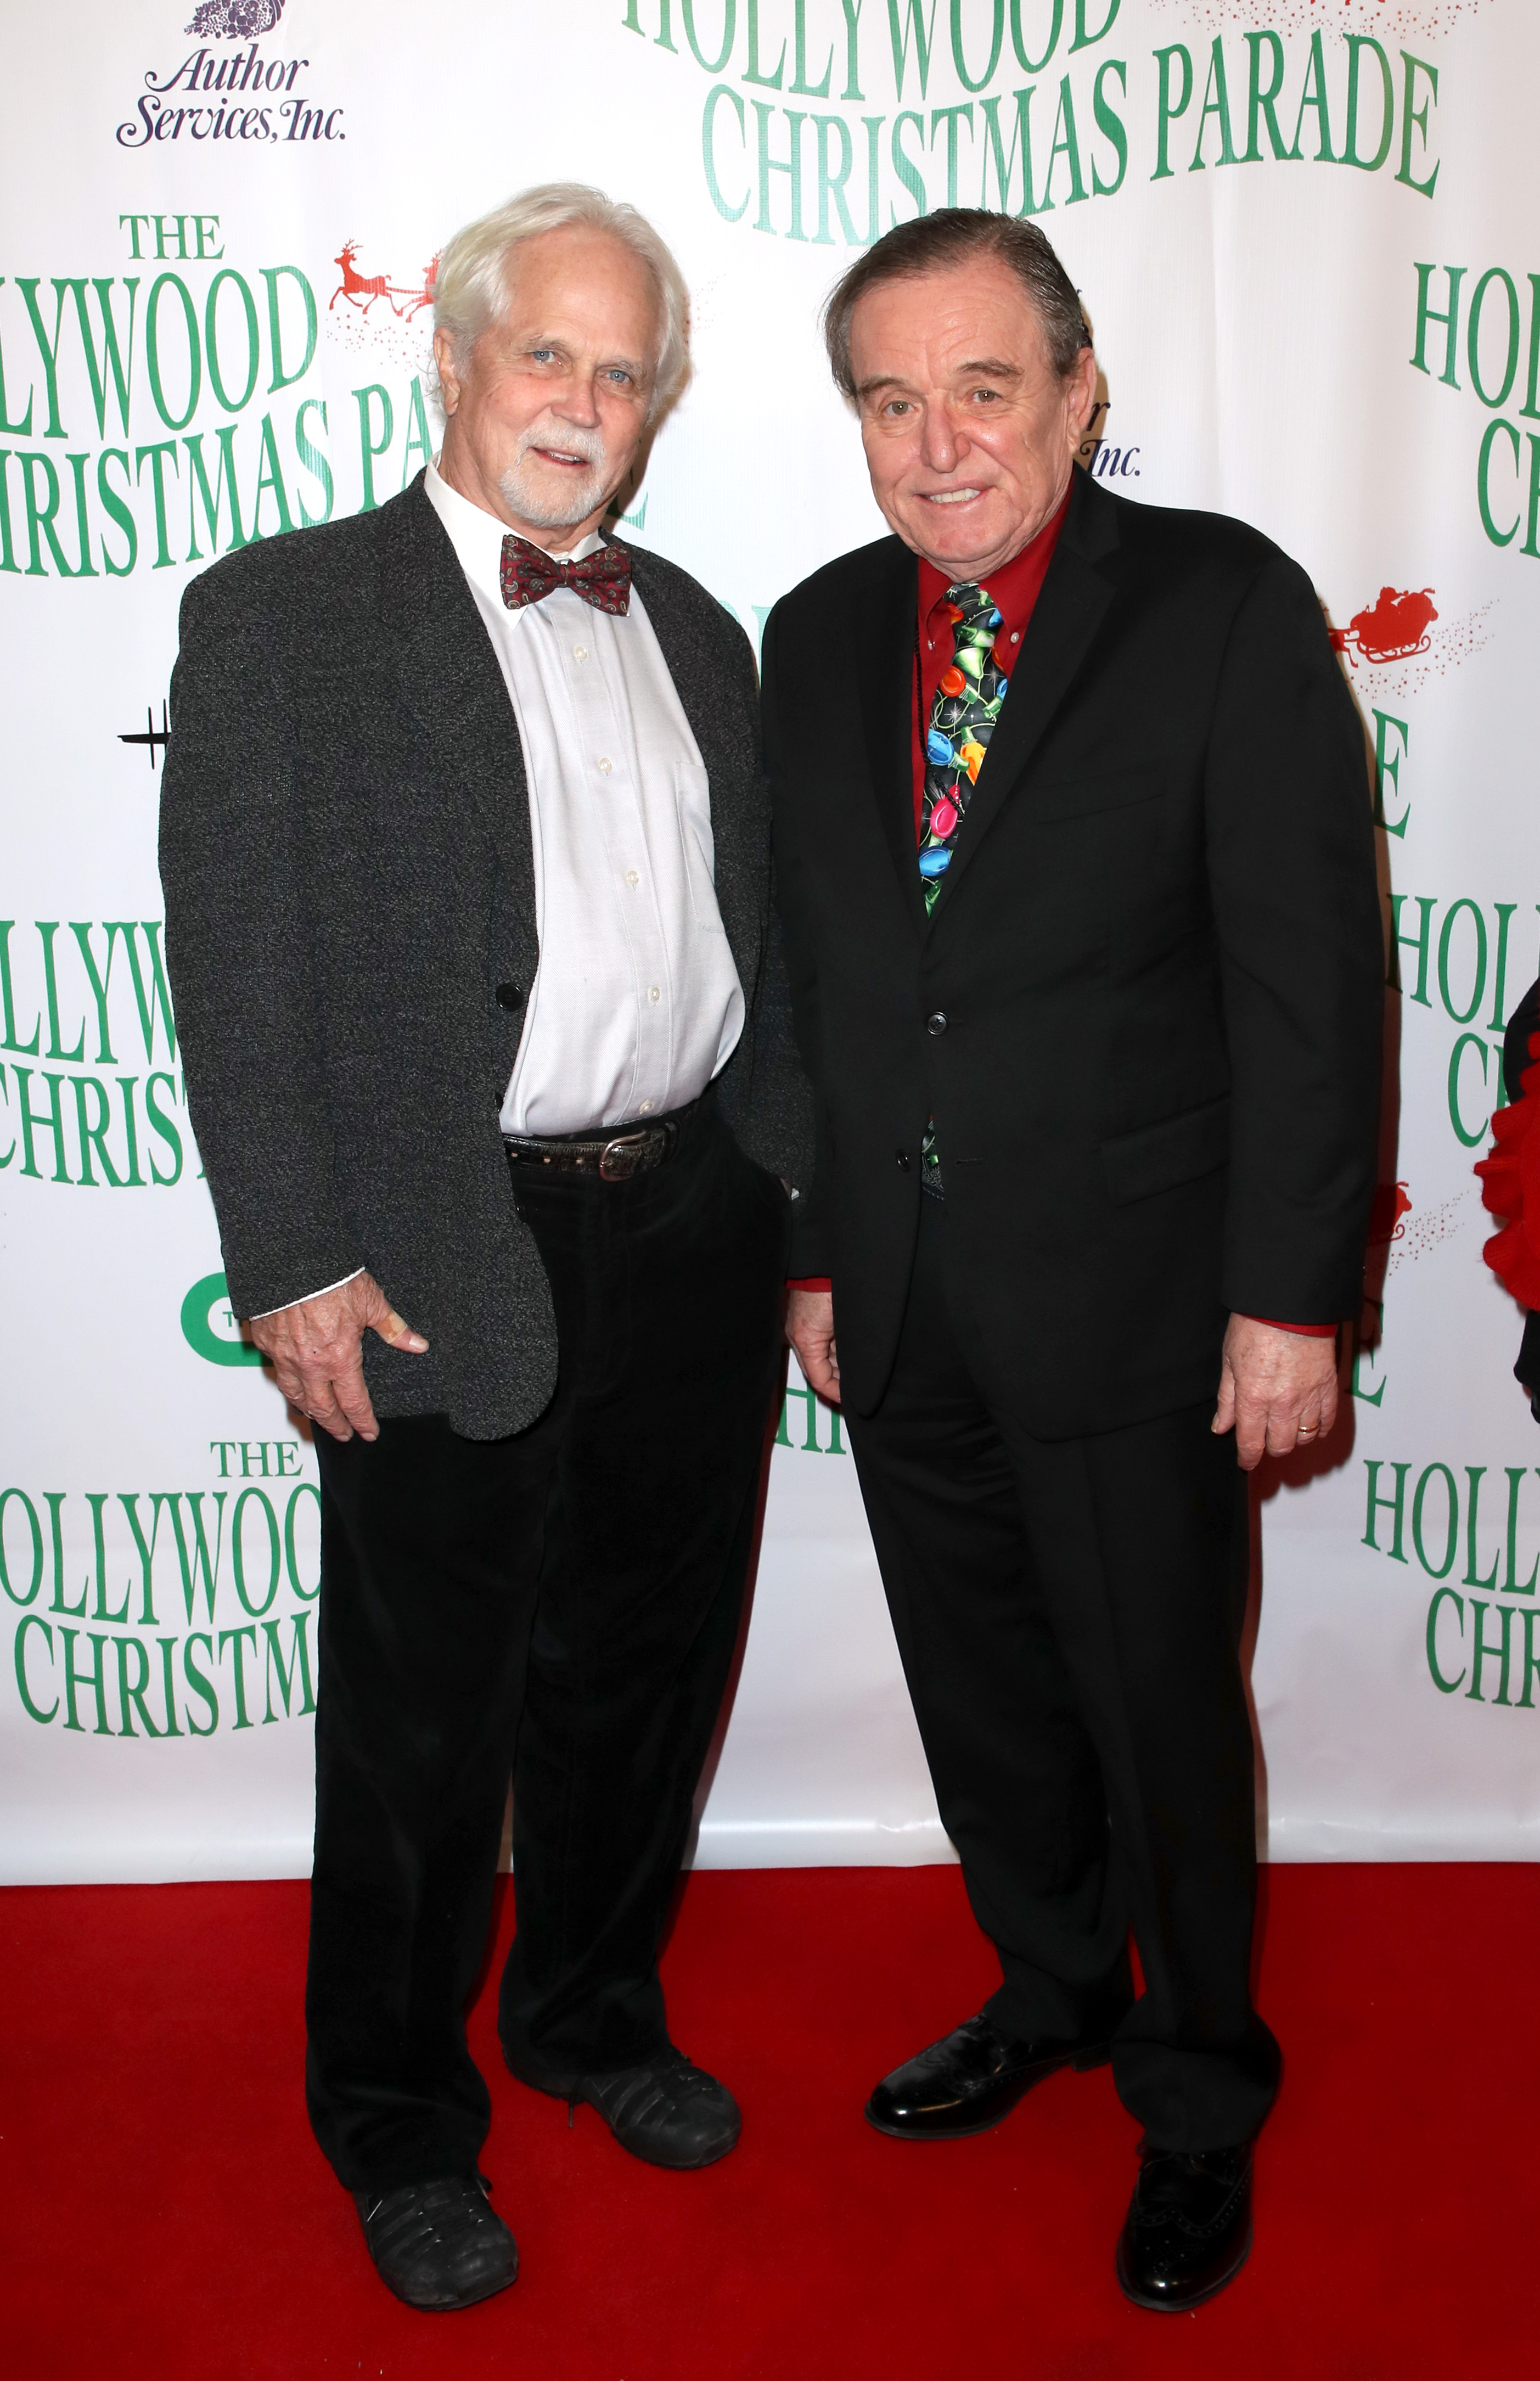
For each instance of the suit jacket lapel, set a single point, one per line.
(1068, 613)
(452, 683)
(881, 642)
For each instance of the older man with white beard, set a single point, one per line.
(465, 860)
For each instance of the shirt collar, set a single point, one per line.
(1015, 585)
(477, 536)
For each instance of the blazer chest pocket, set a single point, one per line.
(1084, 797)
(1159, 1157)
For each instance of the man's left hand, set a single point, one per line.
(1277, 1390)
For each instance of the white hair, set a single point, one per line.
(472, 289)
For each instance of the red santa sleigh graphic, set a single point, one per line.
(362, 294)
(1395, 629)
(1389, 1213)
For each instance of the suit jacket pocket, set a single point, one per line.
(1159, 1157)
(1098, 790)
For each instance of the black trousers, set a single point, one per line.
(562, 1606)
(1068, 1615)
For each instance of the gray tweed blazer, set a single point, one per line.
(348, 877)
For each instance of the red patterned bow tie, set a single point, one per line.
(601, 579)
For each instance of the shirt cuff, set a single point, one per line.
(1301, 1330)
(309, 1294)
(812, 1281)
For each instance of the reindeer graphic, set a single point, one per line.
(362, 294)
(357, 291)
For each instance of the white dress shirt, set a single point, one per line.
(636, 1004)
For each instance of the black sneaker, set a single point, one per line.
(437, 2244)
(664, 2110)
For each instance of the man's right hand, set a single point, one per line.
(810, 1328)
(315, 1348)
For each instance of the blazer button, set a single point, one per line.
(936, 1022)
(509, 996)
(902, 1156)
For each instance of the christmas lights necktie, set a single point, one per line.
(962, 719)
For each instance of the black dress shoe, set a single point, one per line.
(1189, 2228)
(969, 2081)
(438, 2245)
(663, 2110)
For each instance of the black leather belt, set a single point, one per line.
(613, 1156)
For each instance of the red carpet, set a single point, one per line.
(164, 2211)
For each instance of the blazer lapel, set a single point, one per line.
(1064, 625)
(452, 683)
(882, 643)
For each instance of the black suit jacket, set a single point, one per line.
(1145, 1011)
(348, 876)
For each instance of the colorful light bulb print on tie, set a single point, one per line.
(962, 719)
(962, 722)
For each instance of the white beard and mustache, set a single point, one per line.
(527, 490)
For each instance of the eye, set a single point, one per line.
(896, 406)
(543, 355)
(986, 397)
(618, 373)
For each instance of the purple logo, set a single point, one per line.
(230, 94)
(235, 20)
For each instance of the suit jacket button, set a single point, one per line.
(936, 1022)
(902, 1156)
(509, 996)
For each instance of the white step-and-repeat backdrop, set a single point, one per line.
(1306, 235)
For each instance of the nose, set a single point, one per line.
(943, 442)
(578, 402)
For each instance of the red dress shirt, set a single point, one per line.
(1015, 587)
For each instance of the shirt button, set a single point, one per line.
(579, 652)
(1016, 636)
(631, 876)
(653, 993)
(646, 1108)
(606, 766)
(902, 1156)
(936, 1022)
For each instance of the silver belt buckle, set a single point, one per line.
(622, 1157)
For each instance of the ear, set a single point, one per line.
(1081, 393)
(448, 379)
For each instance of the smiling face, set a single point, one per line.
(969, 434)
(543, 418)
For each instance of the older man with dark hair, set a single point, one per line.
(465, 854)
(1074, 854)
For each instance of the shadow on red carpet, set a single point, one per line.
(166, 2212)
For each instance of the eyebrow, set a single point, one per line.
(524, 343)
(992, 367)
